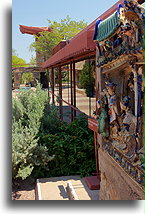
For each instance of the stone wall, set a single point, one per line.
(17, 78)
(116, 184)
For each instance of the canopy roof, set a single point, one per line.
(80, 45)
(107, 27)
(33, 30)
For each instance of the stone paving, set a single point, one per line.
(82, 102)
(55, 188)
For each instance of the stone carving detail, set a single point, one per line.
(121, 127)
(128, 38)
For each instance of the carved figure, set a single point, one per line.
(128, 128)
(114, 109)
(103, 126)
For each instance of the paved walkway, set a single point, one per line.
(55, 188)
(82, 102)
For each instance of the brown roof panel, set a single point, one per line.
(33, 30)
(82, 43)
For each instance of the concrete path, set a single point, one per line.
(56, 189)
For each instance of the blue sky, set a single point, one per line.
(37, 12)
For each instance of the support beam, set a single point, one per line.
(74, 89)
(71, 86)
(48, 83)
(96, 146)
(60, 93)
(89, 83)
(52, 84)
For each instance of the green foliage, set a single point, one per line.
(33, 60)
(27, 77)
(27, 111)
(18, 62)
(73, 148)
(87, 79)
(63, 30)
(43, 145)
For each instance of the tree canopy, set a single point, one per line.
(63, 30)
(19, 62)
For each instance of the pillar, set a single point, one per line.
(52, 84)
(71, 86)
(60, 93)
(74, 88)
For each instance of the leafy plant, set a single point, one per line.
(73, 148)
(87, 79)
(63, 30)
(27, 111)
(43, 145)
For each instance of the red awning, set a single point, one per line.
(33, 30)
(81, 44)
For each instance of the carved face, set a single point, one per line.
(111, 90)
(122, 14)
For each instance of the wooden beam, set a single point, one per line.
(77, 58)
(60, 93)
(71, 85)
(74, 88)
(52, 84)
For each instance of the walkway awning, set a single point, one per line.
(107, 27)
(80, 45)
(33, 30)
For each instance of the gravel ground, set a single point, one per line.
(24, 190)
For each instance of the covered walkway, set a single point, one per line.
(81, 47)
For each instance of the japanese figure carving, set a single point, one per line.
(114, 110)
(128, 128)
(103, 126)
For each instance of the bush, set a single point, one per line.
(43, 145)
(27, 111)
(87, 80)
(73, 149)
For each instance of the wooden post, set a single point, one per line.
(96, 146)
(52, 84)
(48, 82)
(60, 93)
(89, 83)
(71, 85)
(74, 89)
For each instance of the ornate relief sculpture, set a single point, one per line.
(128, 127)
(128, 38)
(114, 109)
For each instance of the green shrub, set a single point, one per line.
(43, 145)
(73, 149)
(86, 79)
(27, 111)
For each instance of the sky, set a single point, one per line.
(36, 13)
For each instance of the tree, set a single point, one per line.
(63, 30)
(32, 60)
(19, 62)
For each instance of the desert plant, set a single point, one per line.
(27, 111)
